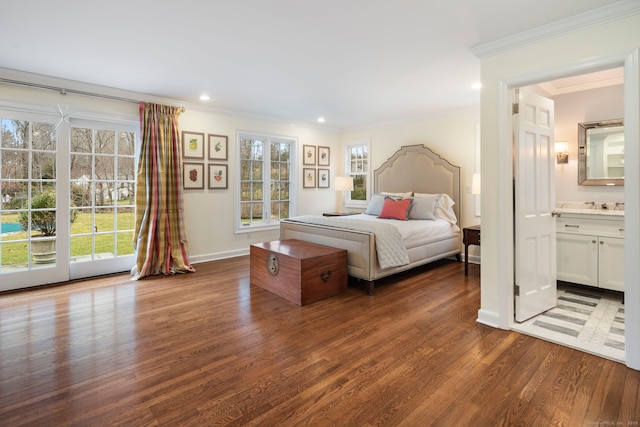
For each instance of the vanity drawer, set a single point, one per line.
(601, 227)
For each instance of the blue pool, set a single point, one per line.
(9, 227)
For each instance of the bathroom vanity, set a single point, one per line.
(590, 246)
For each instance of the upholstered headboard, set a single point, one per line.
(416, 168)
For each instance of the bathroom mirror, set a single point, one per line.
(601, 153)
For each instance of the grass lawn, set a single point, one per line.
(15, 251)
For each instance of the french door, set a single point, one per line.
(101, 198)
(66, 186)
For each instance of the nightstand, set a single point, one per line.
(339, 213)
(470, 236)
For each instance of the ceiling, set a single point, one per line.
(353, 62)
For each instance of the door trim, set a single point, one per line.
(505, 247)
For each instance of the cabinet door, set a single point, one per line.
(611, 254)
(577, 258)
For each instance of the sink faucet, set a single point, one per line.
(604, 205)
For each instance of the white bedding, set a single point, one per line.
(416, 232)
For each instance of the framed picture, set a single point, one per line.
(218, 178)
(309, 155)
(192, 145)
(218, 146)
(193, 176)
(323, 156)
(323, 178)
(308, 178)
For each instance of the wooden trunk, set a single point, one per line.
(301, 272)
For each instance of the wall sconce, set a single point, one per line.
(344, 184)
(562, 152)
(475, 184)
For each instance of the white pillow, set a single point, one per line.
(406, 195)
(444, 208)
(424, 207)
(375, 205)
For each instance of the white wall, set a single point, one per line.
(209, 214)
(451, 134)
(585, 106)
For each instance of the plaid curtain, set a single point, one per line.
(160, 235)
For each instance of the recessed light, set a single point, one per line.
(204, 97)
(320, 119)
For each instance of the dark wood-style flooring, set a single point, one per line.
(207, 349)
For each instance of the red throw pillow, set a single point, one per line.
(396, 209)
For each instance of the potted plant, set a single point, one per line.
(43, 245)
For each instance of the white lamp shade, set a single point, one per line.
(561, 147)
(475, 183)
(343, 183)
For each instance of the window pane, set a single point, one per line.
(81, 140)
(81, 166)
(81, 193)
(15, 164)
(256, 211)
(245, 191)
(359, 188)
(125, 243)
(104, 246)
(43, 165)
(14, 255)
(256, 191)
(104, 221)
(105, 142)
(256, 171)
(15, 134)
(105, 167)
(126, 193)
(14, 194)
(284, 171)
(275, 191)
(44, 136)
(245, 212)
(81, 248)
(126, 168)
(126, 144)
(103, 193)
(245, 170)
(83, 222)
(126, 219)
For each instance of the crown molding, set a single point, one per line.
(588, 19)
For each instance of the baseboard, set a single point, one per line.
(218, 256)
(488, 318)
(473, 259)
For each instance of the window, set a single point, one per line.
(265, 176)
(358, 166)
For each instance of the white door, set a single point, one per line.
(535, 228)
(102, 175)
(32, 210)
(72, 184)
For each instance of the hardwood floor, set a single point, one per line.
(209, 349)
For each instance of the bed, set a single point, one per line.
(413, 169)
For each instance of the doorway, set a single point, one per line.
(588, 318)
(66, 185)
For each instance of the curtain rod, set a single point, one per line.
(64, 91)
